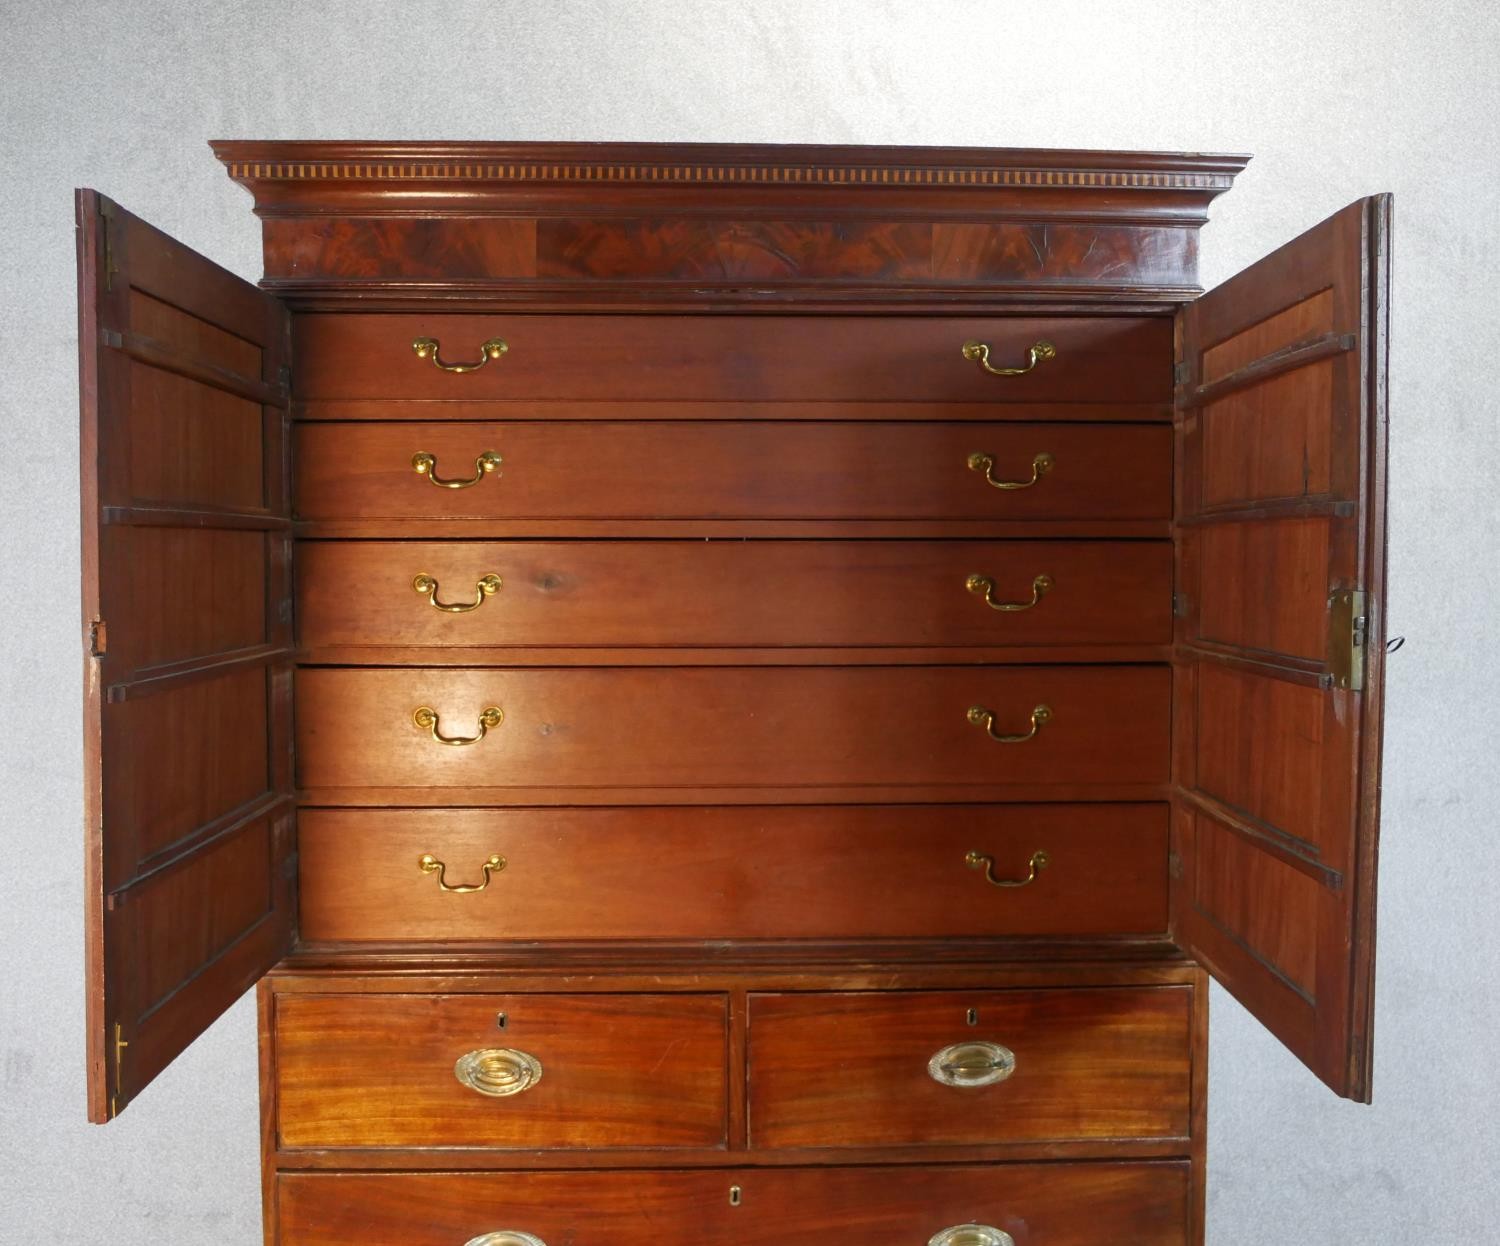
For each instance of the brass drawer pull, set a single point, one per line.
(427, 348)
(1041, 464)
(506, 1237)
(976, 860)
(429, 864)
(979, 352)
(426, 718)
(966, 1235)
(498, 1072)
(982, 717)
(982, 584)
(972, 1064)
(425, 464)
(426, 586)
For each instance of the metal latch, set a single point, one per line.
(1348, 637)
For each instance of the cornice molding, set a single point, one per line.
(732, 165)
(665, 223)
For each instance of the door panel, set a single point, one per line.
(187, 633)
(1278, 691)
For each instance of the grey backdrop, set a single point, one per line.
(1335, 101)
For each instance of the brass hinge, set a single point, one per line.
(1179, 372)
(1179, 605)
(120, 1045)
(98, 638)
(1348, 637)
(1174, 866)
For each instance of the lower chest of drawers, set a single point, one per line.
(744, 1103)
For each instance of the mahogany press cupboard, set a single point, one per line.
(730, 695)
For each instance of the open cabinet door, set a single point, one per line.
(187, 640)
(1281, 455)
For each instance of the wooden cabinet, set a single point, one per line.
(753, 683)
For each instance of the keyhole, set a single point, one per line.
(973, 1017)
(502, 1020)
(734, 1196)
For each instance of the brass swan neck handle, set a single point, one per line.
(425, 718)
(425, 464)
(984, 718)
(427, 586)
(977, 860)
(979, 352)
(427, 348)
(1041, 464)
(429, 864)
(983, 585)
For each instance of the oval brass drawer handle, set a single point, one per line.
(498, 1072)
(429, 864)
(973, 1063)
(426, 718)
(1041, 464)
(982, 717)
(976, 860)
(425, 464)
(427, 348)
(506, 1237)
(979, 352)
(966, 1235)
(982, 584)
(426, 586)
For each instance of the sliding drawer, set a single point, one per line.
(883, 1069)
(1077, 1204)
(588, 735)
(732, 471)
(729, 359)
(509, 595)
(805, 872)
(529, 1072)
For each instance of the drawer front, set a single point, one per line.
(589, 735)
(1079, 1204)
(860, 1069)
(779, 594)
(612, 1071)
(734, 471)
(730, 358)
(733, 873)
